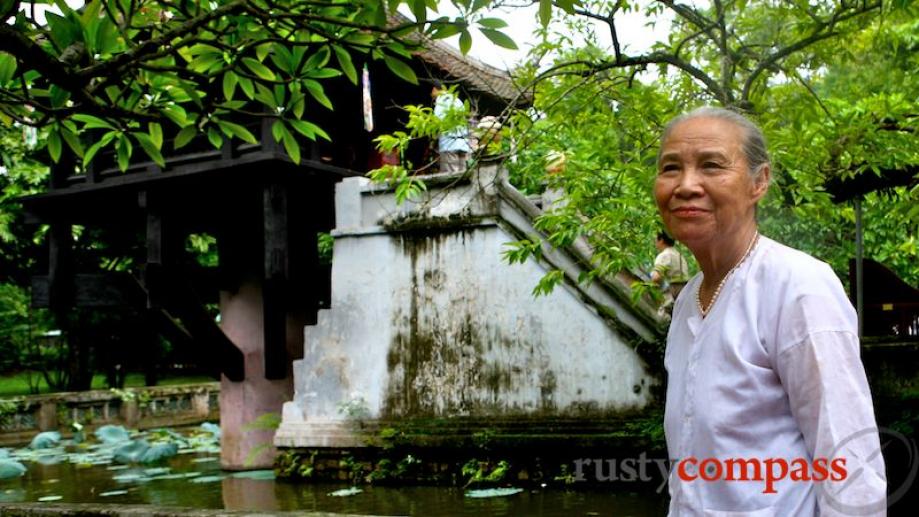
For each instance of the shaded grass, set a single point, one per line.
(17, 384)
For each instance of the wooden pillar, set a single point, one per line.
(276, 275)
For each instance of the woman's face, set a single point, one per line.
(703, 189)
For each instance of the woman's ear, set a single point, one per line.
(761, 182)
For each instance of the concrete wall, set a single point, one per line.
(429, 321)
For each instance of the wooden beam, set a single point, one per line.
(117, 289)
(91, 290)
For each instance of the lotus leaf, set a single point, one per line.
(45, 440)
(159, 452)
(11, 469)
(112, 434)
(212, 428)
(131, 452)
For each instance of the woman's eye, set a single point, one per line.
(669, 168)
(711, 165)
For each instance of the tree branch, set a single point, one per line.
(820, 33)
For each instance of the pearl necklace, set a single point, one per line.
(703, 310)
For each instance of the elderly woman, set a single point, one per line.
(768, 408)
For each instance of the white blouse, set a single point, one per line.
(773, 372)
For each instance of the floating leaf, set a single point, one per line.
(112, 434)
(492, 492)
(159, 452)
(260, 475)
(49, 498)
(11, 469)
(45, 440)
(346, 492)
(113, 493)
(207, 479)
(131, 452)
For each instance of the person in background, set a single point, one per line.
(670, 271)
(453, 144)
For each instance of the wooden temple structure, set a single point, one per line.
(265, 213)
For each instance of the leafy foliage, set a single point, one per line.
(126, 75)
(830, 111)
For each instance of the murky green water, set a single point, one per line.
(194, 479)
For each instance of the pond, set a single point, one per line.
(86, 474)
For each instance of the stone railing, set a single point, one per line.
(136, 408)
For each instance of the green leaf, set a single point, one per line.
(246, 84)
(91, 122)
(419, 9)
(493, 23)
(58, 96)
(229, 85)
(176, 113)
(282, 58)
(323, 73)
(123, 151)
(265, 96)
(344, 61)
(63, 31)
(277, 131)
(318, 60)
(106, 41)
(568, 5)
(297, 104)
(465, 42)
(280, 94)
(309, 130)
(291, 146)
(7, 67)
(499, 38)
(238, 131)
(150, 147)
(73, 141)
(262, 50)
(156, 134)
(317, 92)
(54, 145)
(259, 69)
(545, 12)
(214, 137)
(185, 136)
(447, 30)
(398, 67)
(93, 149)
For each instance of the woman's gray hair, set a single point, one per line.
(754, 142)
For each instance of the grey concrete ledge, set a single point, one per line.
(118, 510)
